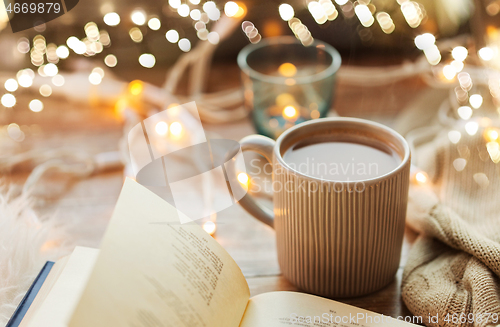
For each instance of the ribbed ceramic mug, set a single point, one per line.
(335, 239)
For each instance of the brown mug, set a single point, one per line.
(335, 238)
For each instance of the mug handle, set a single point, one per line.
(263, 146)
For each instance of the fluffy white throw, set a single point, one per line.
(26, 243)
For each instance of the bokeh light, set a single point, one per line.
(147, 60)
(138, 17)
(154, 24)
(45, 90)
(36, 105)
(111, 60)
(112, 19)
(11, 85)
(172, 36)
(8, 100)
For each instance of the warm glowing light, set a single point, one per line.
(449, 72)
(172, 36)
(135, 87)
(195, 2)
(386, 23)
(231, 8)
(213, 14)
(136, 34)
(421, 177)
(241, 10)
(286, 12)
(494, 151)
(111, 60)
(465, 112)
(76, 45)
(72, 41)
(459, 53)
(481, 179)
(476, 100)
(45, 90)
(23, 45)
(50, 70)
(341, 2)
(213, 37)
(209, 227)
(183, 10)
(285, 99)
(154, 24)
(112, 19)
(121, 105)
(209, 5)
(486, 53)
(25, 80)
(454, 136)
(290, 112)
(147, 60)
(138, 17)
(210, 8)
(11, 85)
(8, 100)
(465, 81)
(412, 13)
(195, 14)
(329, 9)
(243, 179)
(287, 69)
(176, 128)
(459, 164)
(184, 44)
(433, 55)
(364, 15)
(99, 71)
(161, 128)
(491, 134)
(15, 132)
(95, 78)
(62, 52)
(471, 128)
(425, 41)
(104, 38)
(317, 12)
(174, 3)
(36, 105)
(58, 80)
(457, 65)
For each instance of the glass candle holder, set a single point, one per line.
(286, 83)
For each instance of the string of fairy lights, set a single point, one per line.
(45, 56)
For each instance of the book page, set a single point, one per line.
(279, 309)
(155, 272)
(63, 296)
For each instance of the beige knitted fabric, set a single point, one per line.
(454, 267)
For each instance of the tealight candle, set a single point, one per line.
(286, 83)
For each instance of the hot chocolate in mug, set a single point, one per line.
(340, 191)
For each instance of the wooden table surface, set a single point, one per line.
(85, 206)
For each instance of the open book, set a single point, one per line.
(153, 271)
